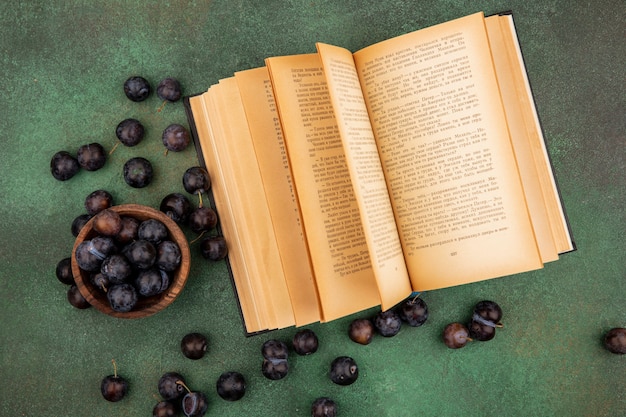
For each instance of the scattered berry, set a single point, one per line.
(323, 407)
(169, 89)
(138, 172)
(130, 132)
(97, 201)
(64, 271)
(214, 248)
(176, 206)
(305, 342)
(91, 157)
(78, 223)
(387, 323)
(113, 387)
(64, 166)
(344, 370)
(413, 311)
(164, 409)
(361, 331)
(176, 138)
(171, 386)
(231, 386)
(202, 219)
(615, 340)
(193, 345)
(137, 88)
(76, 299)
(456, 335)
(196, 180)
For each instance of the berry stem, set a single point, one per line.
(114, 148)
(179, 382)
(200, 204)
(161, 106)
(114, 368)
(198, 238)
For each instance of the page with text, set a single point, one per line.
(330, 214)
(445, 148)
(258, 101)
(367, 176)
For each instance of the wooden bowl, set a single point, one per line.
(146, 306)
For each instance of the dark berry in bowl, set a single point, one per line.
(122, 297)
(76, 299)
(171, 386)
(387, 323)
(116, 268)
(194, 345)
(344, 370)
(107, 222)
(361, 331)
(413, 311)
(168, 256)
(153, 231)
(91, 157)
(231, 386)
(137, 88)
(97, 201)
(176, 206)
(615, 340)
(138, 172)
(140, 253)
(151, 282)
(113, 387)
(176, 138)
(169, 89)
(202, 219)
(456, 335)
(214, 248)
(128, 232)
(196, 180)
(89, 254)
(130, 132)
(64, 271)
(100, 281)
(78, 223)
(64, 166)
(305, 342)
(323, 407)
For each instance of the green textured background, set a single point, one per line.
(62, 66)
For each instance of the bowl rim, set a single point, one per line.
(179, 280)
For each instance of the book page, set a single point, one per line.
(258, 101)
(521, 131)
(445, 148)
(208, 127)
(330, 213)
(367, 175)
(551, 197)
(251, 212)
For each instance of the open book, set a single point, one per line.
(345, 181)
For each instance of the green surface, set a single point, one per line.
(62, 66)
